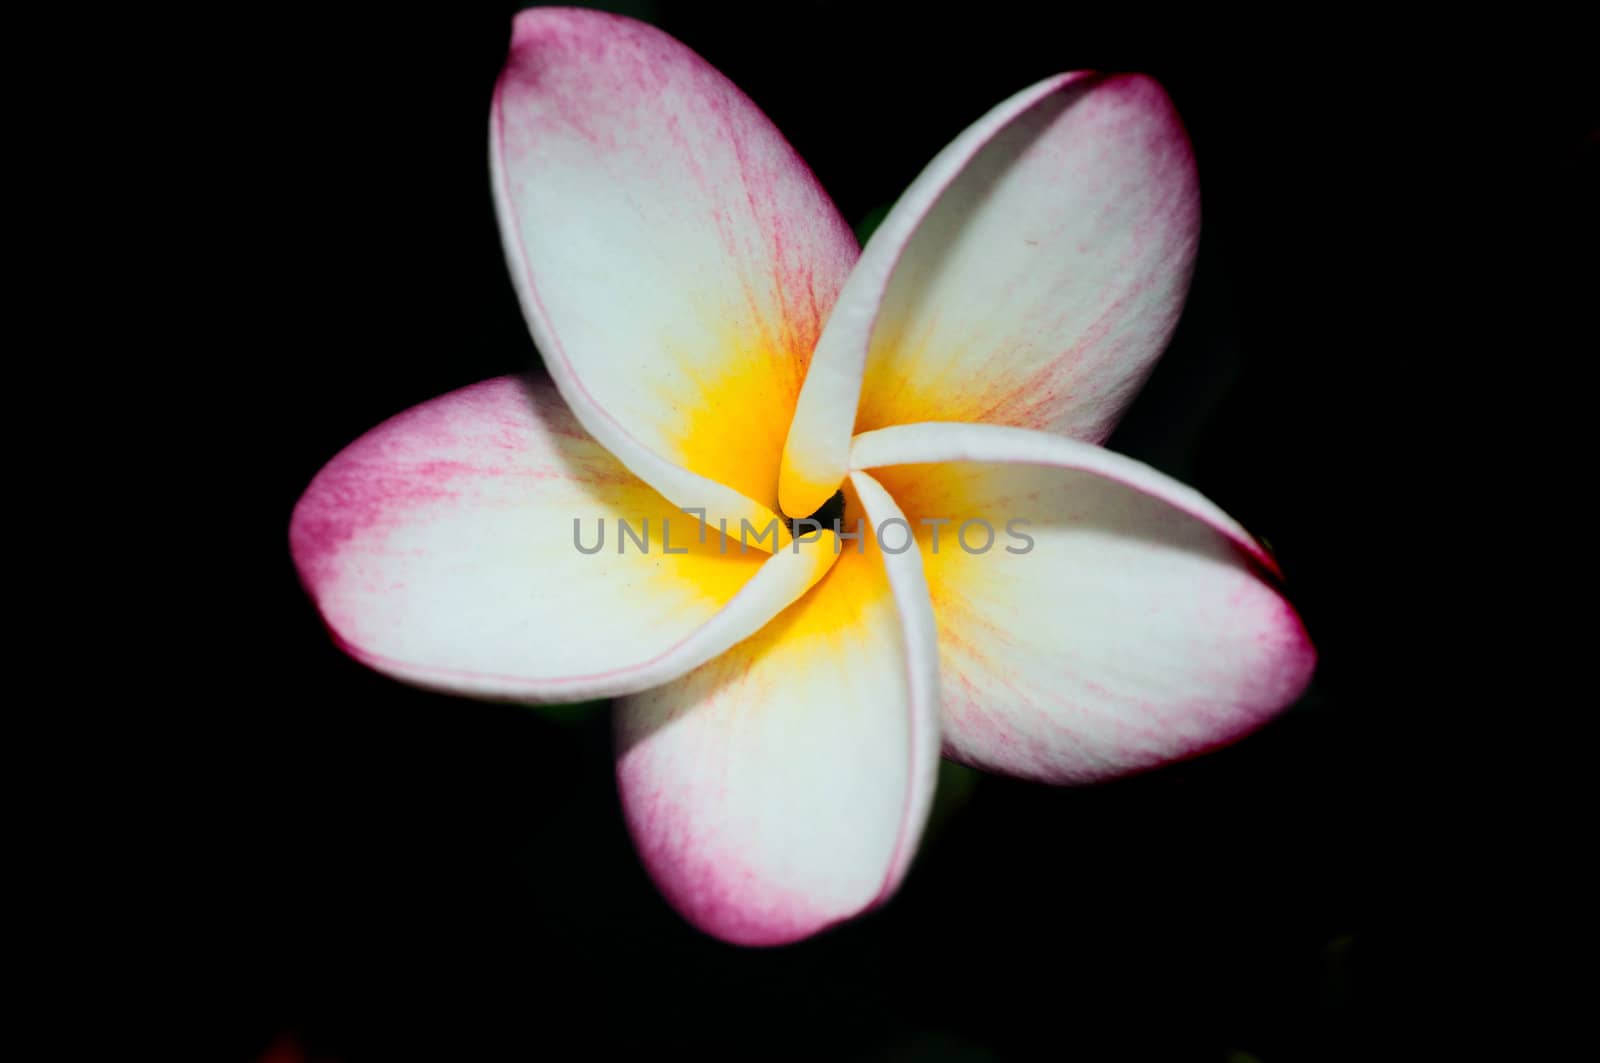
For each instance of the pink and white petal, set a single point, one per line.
(921, 444)
(1030, 276)
(784, 786)
(909, 586)
(1124, 622)
(816, 456)
(442, 548)
(674, 257)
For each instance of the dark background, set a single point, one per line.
(371, 872)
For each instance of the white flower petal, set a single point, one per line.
(675, 258)
(783, 786)
(440, 548)
(1124, 623)
(1030, 277)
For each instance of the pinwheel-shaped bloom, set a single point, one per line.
(1019, 598)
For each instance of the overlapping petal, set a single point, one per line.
(1029, 277)
(675, 258)
(783, 786)
(1097, 617)
(441, 549)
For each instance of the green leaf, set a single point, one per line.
(956, 785)
(870, 222)
(573, 714)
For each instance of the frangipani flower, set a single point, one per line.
(723, 353)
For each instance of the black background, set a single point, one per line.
(371, 872)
